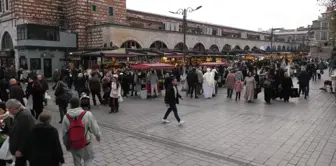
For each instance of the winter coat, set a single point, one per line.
(238, 86)
(16, 92)
(230, 81)
(94, 84)
(43, 146)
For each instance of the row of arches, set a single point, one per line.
(199, 47)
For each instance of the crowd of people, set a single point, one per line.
(32, 136)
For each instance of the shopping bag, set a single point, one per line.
(47, 96)
(120, 99)
(295, 93)
(4, 151)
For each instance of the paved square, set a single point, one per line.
(219, 131)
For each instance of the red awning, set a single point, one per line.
(215, 64)
(153, 66)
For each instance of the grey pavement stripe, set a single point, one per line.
(174, 144)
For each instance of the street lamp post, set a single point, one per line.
(185, 26)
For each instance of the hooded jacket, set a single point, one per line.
(90, 124)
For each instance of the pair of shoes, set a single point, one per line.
(181, 122)
(60, 122)
(196, 97)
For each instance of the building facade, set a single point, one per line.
(39, 34)
(321, 44)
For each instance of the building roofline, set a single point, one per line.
(196, 22)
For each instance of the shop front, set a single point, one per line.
(7, 58)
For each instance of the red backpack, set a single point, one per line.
(76, 132)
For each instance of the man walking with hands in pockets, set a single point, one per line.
(172, 98)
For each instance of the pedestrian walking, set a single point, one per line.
(23, 123)
(171, 99)
(43, 144)
(77, 130)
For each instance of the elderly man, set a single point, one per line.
(16, 91)
(23, 123)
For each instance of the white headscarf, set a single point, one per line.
(208, 77)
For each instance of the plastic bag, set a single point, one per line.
(4, 151)
(120, 99)
(47, 96)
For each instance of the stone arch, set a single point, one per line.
(7, 41)
(283, 48)
(131, 44)
(247, 48)
(288, 48)
(226, 48)
(214, 48)
(237, 47)
(279, 48)
(181, 46)
(268, 48)
(158, 45)
(274, 48)
(199, 47)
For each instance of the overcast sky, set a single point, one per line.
(246, 14)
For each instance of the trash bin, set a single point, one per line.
(143, 91)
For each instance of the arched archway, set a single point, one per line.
(279, 48)
(226, 48)
(214, 48)
(237, 47)
(247, 48)
(288, 48)
(283, 48)
(181, 46)
(6, 41)
(274, 48)
(131, 44)
(158, 45)
(268, 48)
(199, 47)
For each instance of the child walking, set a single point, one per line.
(238, 88)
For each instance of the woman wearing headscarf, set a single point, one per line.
(286, 85)
(250, 84)
(208, 84)
(115, 94)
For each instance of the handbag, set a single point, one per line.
(295, 93)
(4, 151)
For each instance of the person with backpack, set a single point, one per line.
(77, 129)
(63, 95)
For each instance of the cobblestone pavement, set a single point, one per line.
(301, 132)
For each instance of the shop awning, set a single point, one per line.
(153, 66)
(215, 64)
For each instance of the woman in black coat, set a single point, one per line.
(38, 97)
(286, 86)
(43, 147)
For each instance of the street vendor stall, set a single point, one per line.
(145, 85)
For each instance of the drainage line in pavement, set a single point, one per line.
(173, 144)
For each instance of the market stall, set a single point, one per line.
(215, 64)
(145, 85)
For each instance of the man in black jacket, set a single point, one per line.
(192, 81)
(16, 91)
(23, 123)
(171, 99)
